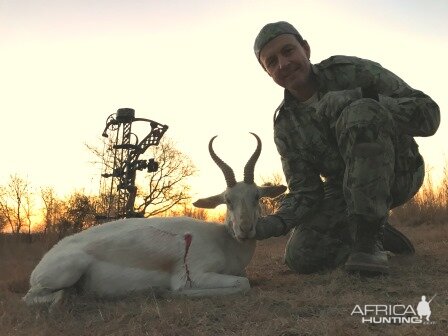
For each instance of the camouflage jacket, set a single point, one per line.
(305, 137)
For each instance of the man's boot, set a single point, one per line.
(367, 255)
(396, 242)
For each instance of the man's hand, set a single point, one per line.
(271, 226)
(332, 103)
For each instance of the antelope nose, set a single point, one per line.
(246, 233)
(245, 230)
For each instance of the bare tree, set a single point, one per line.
(159, 191)
(65, 217)
(28, 210)
(53, 209)
(6, 210)
(189, 211)
(3, 222)
(80, 212)
(15, 203)
(270, 205)
(106, 202)
(166, 187)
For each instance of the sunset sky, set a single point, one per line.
(65, 66)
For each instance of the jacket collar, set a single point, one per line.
(289, 99)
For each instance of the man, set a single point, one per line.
(344, 132)
(423, 308)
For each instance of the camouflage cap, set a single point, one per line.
(271, 31)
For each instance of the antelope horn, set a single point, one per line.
(229, 175)
(250, 165)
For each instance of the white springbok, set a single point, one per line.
(178, 255)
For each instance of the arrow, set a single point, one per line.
(432, 298)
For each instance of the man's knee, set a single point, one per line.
(364, 122)
(407, 183)
(426, 120)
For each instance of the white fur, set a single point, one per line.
(123, 256)
(128, 255)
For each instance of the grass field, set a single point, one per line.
(280, 302)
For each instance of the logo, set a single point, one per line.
(395, 314)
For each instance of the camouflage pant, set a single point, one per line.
(383, 170)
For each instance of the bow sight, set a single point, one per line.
(121, 162)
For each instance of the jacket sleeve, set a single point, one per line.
(304, 183)
(414, 112)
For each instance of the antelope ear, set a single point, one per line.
(210, 202)
(272, 191)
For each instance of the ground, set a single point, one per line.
(279, 303)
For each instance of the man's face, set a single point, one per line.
(287, 62)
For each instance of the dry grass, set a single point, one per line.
(280, 302)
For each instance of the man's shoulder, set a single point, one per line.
(341, 60)
(277, 112)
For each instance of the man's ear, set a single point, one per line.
(307, 48)
(209, 202)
